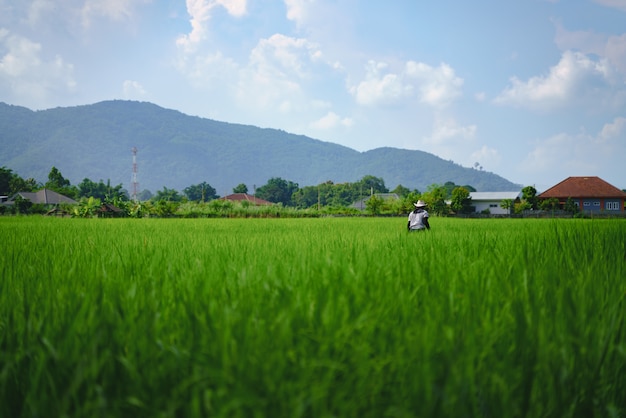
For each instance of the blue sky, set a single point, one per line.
(532, 90)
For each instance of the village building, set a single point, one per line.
(244, 197)
(591, 194)
(44, 197)
(492, 201)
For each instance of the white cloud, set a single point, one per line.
(379, 88)
(579, 154)
(486, 156)
(283, 56)
(27, 76)
(610, 47)
(446, 130)
(617, 4)
(133, 90)
(297, 10)
(438, 86)
(277, 69)
(613, 131)
(200, 12)
(434, 86)
(331, 120)
(575, 76)
(111, 9)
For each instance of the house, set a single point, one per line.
(492, 201)
(244, 197)
(362, 203)
(591, 194)
(45, 197)
(108, 210)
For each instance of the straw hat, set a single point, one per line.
(420, 204)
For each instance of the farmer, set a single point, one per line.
(418, 219)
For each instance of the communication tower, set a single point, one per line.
(135, 188)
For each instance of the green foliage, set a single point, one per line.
(165, 208)
(60, 184)
(87, 208)
(529, 194)
(11, 183)
(6, 175)
(507, 204)
(372, 184)
(435, 197)
(401, 191)
(101, 190)
(461, 200)
(374, 205)
(167, 195)
(240, 188)
(311, 318)
(277, 190)
(522, 207)
(202, 192)
(549, 204)
(21, 205)
(571, 206)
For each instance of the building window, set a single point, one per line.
(493, 205)
(612, 205)
(596, 204)
(586, 204)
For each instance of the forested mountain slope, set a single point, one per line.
(176, 150)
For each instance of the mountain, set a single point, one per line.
(175, 150)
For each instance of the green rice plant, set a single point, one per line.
(345, 317)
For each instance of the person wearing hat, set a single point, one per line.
(418, 219)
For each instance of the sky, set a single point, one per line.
(532, 90)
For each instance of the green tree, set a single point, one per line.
(278, 190)
(401, 191)
(370, 185)
(100, 190)
(21, 205)
(435, 197)
(374, 205)
(309, 196)
(87, 207)
(6, 175)
(18, 184)
(571, 206)
(56, 179)
(167, 195)
(202, 192)
(60, 184)
(529, 194)
(549, 204)
(461, 200)
(11, 183)
(507, 204)
(240, 188)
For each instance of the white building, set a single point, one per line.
(493, 201)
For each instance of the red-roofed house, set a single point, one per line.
(244, 197)
(591, 194)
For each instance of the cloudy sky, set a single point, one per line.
(533, 90)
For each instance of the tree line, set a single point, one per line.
(327, 197)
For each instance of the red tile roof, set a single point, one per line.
(583, 187)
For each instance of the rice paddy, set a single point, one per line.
(329, 317)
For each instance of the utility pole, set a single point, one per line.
(135, 183)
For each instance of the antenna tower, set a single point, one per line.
(134, 180)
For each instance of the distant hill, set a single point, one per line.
(176, 150)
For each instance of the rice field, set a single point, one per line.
(329, 317)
